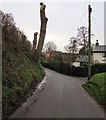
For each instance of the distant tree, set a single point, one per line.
(72, 47)
(82, 37)
(50, 46)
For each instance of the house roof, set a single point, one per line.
(100, 48)
(82, 58)
(56, 53)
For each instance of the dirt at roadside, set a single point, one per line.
(85, 79)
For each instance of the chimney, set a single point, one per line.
(97, 44)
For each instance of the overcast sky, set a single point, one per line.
(64, 18)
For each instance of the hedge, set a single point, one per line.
(80, 71)
(65, 68)
(98, 68)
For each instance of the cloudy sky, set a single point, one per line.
(64, 18)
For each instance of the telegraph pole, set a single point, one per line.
(89, 39)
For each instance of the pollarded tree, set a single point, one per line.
(35, 41)
(42, 31)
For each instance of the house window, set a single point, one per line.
(104, 54)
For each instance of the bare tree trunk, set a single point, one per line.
(73, 55)
(35, 41)
(42, 30)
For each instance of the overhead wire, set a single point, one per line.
(78, 22)
(97, 28)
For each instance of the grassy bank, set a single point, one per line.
(20, 71)
(95, 87)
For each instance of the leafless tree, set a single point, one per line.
(50, 46)
(7, 20)
(82, 36)
(72, 47)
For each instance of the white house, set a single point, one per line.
(99, 54)
(81, 60)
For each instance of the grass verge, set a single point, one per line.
(96, 88)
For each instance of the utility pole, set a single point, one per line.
(89, 39)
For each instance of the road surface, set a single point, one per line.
(59, 96)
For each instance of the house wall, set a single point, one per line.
(97, 58)
(47, 55)
(76, 64)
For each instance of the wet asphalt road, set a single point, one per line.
(59, 96)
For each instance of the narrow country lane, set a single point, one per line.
(59, 96)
